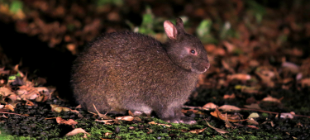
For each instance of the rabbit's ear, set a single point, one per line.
(179, 25)
(170, 30)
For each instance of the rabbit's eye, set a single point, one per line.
(193, 51)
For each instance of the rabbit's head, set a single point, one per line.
(185, 50)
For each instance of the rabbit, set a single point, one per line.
(123, 71)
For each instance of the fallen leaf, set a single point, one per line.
(227, 67)
(13, 97)
(59, 109)
(252, 126)
(190, 110)
(253, 106)
(79, 106)
(76, 131)
(107, 122)
(229, 47)
(60, 120)
(4, 72)
(72, 48)
(103, 116)
(253, 115)
(291, 67)
(4, 91)
(231, 118)
(252, 121)
(125, 118)
(209, 106)
(107, 134)
(77, 112)
(272, 99)
(217, 129)
(197, 131)
(266, 76)
(287, 115)
(9, 107)
(239, 76)
(232, 96)
(227, 123)
(305, 82)
(229, 108)
(152, 122)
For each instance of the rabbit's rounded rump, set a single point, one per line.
(129, 71)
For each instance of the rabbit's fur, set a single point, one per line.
(129, 71)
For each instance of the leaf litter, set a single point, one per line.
(256, 64)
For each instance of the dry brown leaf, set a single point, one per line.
(253, 63)
(28, 93)
(42, 89)
(76, 131)
(253, 106)
(229, 108)
(190, 110)
(253, 115)
(287, 115)
(79, 106)
(17, 70)
(250, 90)
(4, 91)
(60, 120)
(107, 134)
(209, 106)
(4, 72)
(77, 112)
(130, 113)
(266, 76)
(250, 100)
(217, 129)
(232, 96)
(29, 103)
(272, 99)
(287, 80)
(220, 52)
(291, 67)
(152, 122)
(210, 47)
(197, 131)
(103, 116)
(9, 107)
(227, 123)
(305, 82)
(137, 118)
(231, 118)
(239, 76)
(72, 48)
(252, 121)
(108, 122)
(125, 118)
(229, 47)
(227, 66)
(13, 97)
(58, 109)
(252, 126)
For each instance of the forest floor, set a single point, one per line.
(258, 85)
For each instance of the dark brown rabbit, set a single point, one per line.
(129, 71)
